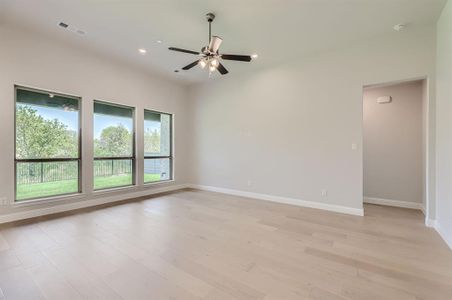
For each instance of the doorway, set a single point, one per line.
(395, 139)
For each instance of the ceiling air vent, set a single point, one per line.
(71, 28)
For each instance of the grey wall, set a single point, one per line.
(393, 136)
(33, 60)
(289, 130)
(444, 123)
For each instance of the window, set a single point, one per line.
(47, 146)
(158, 157)
(114, 146)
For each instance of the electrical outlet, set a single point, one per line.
(249, 183)
(324, 193)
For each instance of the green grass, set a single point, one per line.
(49, 189)
(151, 178)
(112, 181)
(46, 189)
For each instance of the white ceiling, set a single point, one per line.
(275, 29)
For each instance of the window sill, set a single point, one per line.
(85, 196)
(115, 189)
(148, 184)
(132, 187)
(61, 198)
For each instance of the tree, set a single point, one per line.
(37, 137)
(151, 141)
(113, 141)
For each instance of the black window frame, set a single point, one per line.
(44, 160)
(170, 156)
(132, 158)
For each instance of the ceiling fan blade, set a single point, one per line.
(183, 50)
(188, 67)
(246, 58)
(222, 69)
(215, 43)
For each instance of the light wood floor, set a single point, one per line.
(202, 245)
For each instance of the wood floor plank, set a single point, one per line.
(51, 283)
(218, 280)
(135, 281)
(192, 284)
(203, 245)
(3, 243)
(86, 283)
(8, 260)
(16, 283)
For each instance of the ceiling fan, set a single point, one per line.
(209, 55)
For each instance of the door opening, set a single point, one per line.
(395, 139)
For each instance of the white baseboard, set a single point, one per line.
(285, 200)
(424, 210)
(330, 207)
(430, 223)
(86, 203)
(444, 234)
(395, 203)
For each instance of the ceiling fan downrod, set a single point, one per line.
(210, 17)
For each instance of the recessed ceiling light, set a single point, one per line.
(159, 41)
(254, 56)
(142, 51)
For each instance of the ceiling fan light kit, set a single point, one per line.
(210, 55)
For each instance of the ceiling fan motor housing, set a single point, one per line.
(210, 17)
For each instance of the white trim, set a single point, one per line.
(426, 146)
(85, 203)
(395, 203)
(285, 200)
(430, 223)
(424, 210)
(444, 235)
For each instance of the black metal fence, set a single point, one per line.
(111, 167)
(40, 172)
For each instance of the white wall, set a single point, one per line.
(33, 60)
(444, 124)
(393, 136)
(289, 129)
